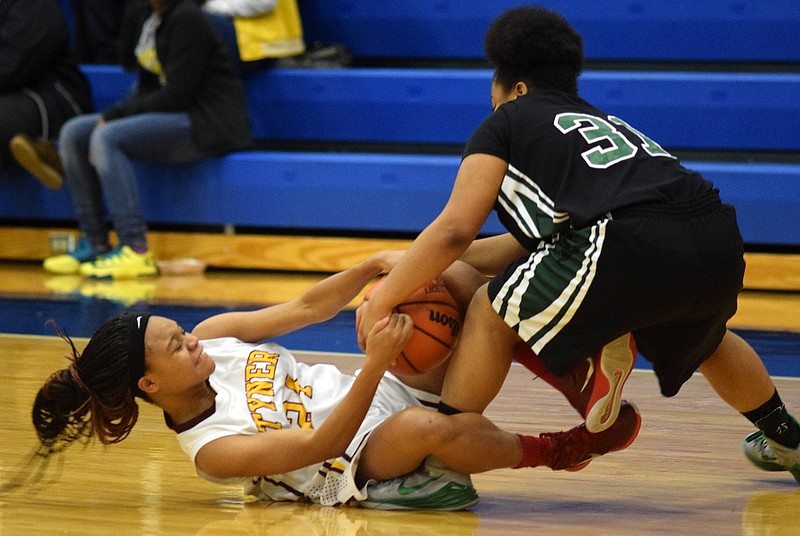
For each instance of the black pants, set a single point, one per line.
(20, 115)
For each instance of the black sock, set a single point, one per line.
(447, 410)
(776, 423)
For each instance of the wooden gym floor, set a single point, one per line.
(684, 475)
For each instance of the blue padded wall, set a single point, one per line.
(619, 30)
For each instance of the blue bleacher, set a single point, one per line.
(370, 192)
(344, 191)
(687, 110)
(612, 30)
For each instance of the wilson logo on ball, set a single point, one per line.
(437, 323)
(446, 320)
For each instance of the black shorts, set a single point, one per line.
(670, 274)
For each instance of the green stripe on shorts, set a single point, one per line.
(543, 293)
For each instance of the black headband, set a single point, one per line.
(136, 355)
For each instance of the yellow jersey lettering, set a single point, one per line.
(303, 418)
(294, 385)
(264, 425)
(259, 388)
(261, 365)
(256, 404)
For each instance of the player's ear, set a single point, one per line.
(147, 384)
(521, 88)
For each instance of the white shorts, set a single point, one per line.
(334, 482)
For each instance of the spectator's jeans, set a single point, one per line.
(97, 163)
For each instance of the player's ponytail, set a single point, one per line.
(96, 394)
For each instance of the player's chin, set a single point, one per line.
(206, 363)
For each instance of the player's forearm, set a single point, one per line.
(436, 248)
(333, 293)
(492, 254)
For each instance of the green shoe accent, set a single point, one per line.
(756, 449)
(432, 487)
(450, 496)
(121, 263)
(768, 455)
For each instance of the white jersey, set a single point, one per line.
(262, 387)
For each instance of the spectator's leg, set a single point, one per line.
(151, 137)
(81, 179)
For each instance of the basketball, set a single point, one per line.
(437, 323)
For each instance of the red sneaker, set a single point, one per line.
(612, 368)
(575, 448)
(594, 386)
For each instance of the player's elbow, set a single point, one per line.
(456, 236)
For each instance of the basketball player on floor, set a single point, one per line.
(612, 244)
(247, 412)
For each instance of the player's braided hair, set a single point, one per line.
(93, 396)
(536, 46)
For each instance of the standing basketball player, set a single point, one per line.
(610, 240)
(247, 412)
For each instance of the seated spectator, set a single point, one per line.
(257, 32)
(40, 86)
(189, 104)
(97, 27)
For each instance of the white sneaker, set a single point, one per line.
(432, 487)
(771, 456)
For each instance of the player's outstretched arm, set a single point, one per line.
(319, 303)
(492, 254)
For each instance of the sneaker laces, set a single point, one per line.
(573, 449)
(763, 449)
(773, 452)
(568, 448)
(114, 256)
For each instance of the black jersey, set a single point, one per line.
(569, 164)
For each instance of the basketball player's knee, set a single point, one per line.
(434, 427)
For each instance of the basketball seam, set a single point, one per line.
(440, 303)
(434, 337)
(426, 302)
(409, 363)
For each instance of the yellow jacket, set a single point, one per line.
(275, 34)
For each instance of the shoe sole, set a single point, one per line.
(60, 271)
(795, 471)
(26, 157)
(615, 365)
(118, 274)
(625, 445)
(388, 506)
(451, 497)
(87, 270)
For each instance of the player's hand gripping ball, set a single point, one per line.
(437, 323)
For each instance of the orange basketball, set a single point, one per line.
(437, 323)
